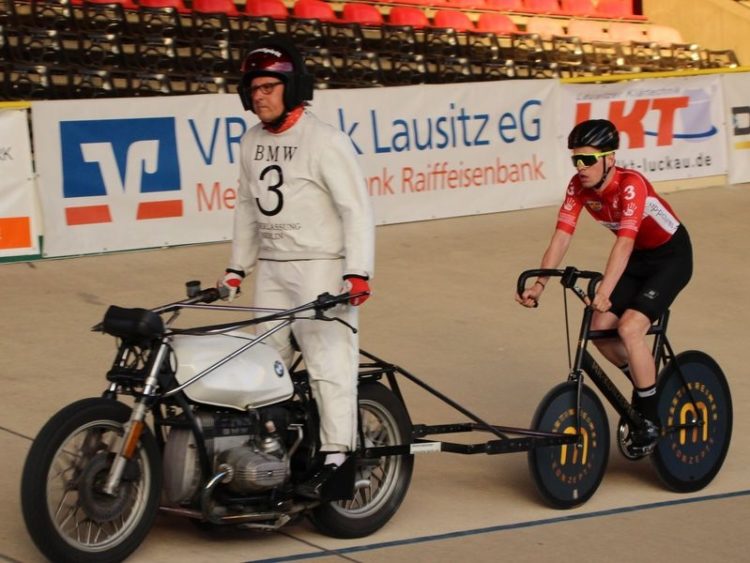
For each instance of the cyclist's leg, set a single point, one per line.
(613, 348)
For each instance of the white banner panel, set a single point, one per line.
(451, 150)
(670, 128)
(737, 101)
(123, 174)
(18, 226)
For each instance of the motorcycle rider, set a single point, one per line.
(650, 262)
(303, 223)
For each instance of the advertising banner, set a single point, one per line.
(444, 151)
(18, 226)
(670, 128)
(117, 174)
(737, 100)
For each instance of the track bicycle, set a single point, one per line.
(694, 411)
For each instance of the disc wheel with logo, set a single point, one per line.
(568, 475)
(696, 417)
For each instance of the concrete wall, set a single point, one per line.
(714, 24)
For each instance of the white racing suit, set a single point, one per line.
(303, 220)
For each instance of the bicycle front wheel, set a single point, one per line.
(569, 475)
(688, 458)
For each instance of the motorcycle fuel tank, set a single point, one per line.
(255, 378)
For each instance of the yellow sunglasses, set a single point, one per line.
(588, 159)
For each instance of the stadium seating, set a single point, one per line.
(406, 15)
(549, 7)
(452, 19)
(314, 9)
(102, 48)
(227, 7)
(363, 14)
(617, 9)
(578, 8)
(504, 5)
(496, 23)
(275, 9)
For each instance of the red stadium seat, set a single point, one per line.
(406, 15)
(364, 14)
(496, 23)
(314, 10)
(541, 6)
(460, 4)
(179, 5)
(504, 5)
(452, 19)
(578, 8)
(617, 9)
(127, 4)
(215, 7)
(275, 9)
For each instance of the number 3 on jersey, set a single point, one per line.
(274, 178)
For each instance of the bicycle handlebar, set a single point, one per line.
(568, 278)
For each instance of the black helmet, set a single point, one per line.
(599, 133)
(275, 56)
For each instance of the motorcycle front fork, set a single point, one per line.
(128, 444)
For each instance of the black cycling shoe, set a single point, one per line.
(643, 441)
(313, 487)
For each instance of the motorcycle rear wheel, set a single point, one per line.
(66, 512)
(380, 489)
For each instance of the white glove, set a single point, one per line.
(231, 281)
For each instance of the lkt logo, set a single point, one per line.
(120, 170)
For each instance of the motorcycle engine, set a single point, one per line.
(252, 452)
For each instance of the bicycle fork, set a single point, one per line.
(135, 426)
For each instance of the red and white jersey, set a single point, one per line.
(628, 206)
(302, 196)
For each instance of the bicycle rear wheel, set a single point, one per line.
(688, 459)
(569, 475)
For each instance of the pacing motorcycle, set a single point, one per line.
(217, 429)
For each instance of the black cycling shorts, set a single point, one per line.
(653, 278)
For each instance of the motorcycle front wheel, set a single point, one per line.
(67, 513)
(381, 487)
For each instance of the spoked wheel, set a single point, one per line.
(66, 511)
(568, 475)
(380, 486)
(688, 458)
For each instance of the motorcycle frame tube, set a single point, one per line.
(505, 444)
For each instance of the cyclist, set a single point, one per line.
(651, 260)
(303, 221)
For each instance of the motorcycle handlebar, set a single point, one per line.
(568, 278)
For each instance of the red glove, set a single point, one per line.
(357, 285)
(231, 280)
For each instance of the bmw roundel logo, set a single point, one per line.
(278, 367)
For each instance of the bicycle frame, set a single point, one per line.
(584, 362)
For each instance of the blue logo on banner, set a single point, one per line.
(112, 158)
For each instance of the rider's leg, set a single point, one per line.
(632, 329)
(611, 348)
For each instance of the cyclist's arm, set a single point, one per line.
(558, 247)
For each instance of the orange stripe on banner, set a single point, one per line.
(85, 215)
(15, 232)
(160, 209)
